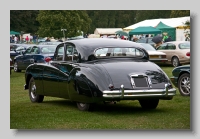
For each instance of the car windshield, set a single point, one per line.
(148, 47)
(184, 45)
(48, 49)
(118, 52)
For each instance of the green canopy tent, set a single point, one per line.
(14, 33)
(171, 31)
(121, 33)
(145, 30)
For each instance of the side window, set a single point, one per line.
(162, 47)
(171, 46)
(28, 50)
(35, 50)
(59, 53)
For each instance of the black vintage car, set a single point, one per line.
(181, 79)
(93, 70)
(34, 54)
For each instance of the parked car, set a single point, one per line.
(178, 52)
(154, 55)
(18, 50)
(82, 74)
(34, 54)
(146, 40)
(181, 79)
(11, 66)
(49, 43)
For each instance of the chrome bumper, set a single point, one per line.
(122, 94)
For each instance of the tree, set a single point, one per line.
(24, 20)
(151, 14)
(111, 18)
(179, 13)
(52, 21)
(187, 32)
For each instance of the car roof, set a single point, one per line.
(93, 43)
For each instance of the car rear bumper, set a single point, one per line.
(159, 61)
(135, 94)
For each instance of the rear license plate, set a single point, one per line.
(140, 82)
(154, 56)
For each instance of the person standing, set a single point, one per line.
(34, 38)
(15, 39)
(27, 39)
(168, 39)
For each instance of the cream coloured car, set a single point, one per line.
(178, 52)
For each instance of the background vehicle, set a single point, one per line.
(19, 48)
(154, 55)
(178, 52)
(79, 72)
(181, 79)
(146, 40)
(34, 54)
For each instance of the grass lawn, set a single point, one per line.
(57, 113)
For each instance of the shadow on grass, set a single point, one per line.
(132, 107)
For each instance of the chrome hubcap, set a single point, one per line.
(185, 85)
(175, 62)
(33, 90)
(15, 67)
(82, 104)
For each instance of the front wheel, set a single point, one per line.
(149, 103)
(34, 97)
(85, 106)
(184, 84)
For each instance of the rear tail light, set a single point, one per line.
(188, 54)
(47, 59)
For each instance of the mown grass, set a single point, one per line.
(57, 113)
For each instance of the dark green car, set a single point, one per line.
(181, 79)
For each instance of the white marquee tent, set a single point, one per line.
(178, 23)
(106, 31)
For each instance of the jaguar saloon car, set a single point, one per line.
(99, 70)
(181, 79)
(178, 52)
(34, 54)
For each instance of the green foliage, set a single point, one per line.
(111, 18)
(52, 21)
(151, 14)
(24, 20)
(179, 13)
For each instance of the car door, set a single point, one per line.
(29, 57)
(51, 74)
(21, 59)
(164, 48)
(171, 50)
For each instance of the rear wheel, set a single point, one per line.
(184, 84)
(149, 103)
(175, 62)
(34, 97)
(84, 106)
(15, 66)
